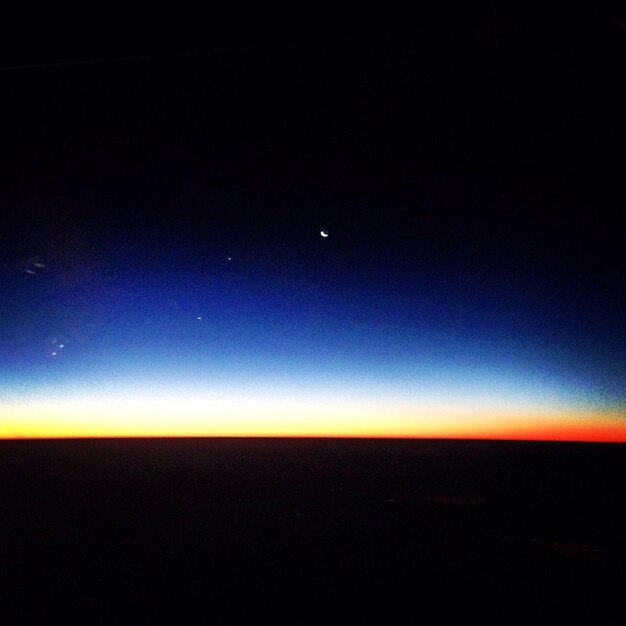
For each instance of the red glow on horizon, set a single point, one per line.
(149, 416)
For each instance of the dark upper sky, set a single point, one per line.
(470, 174)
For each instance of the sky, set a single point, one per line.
(163, 270)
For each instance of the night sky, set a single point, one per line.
(163, 270)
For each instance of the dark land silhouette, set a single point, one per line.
(310, 530)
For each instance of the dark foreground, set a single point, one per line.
(225, 531)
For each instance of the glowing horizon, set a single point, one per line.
(266, 414)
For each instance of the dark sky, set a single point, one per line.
(470, 173)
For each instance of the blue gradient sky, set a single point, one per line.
(474, 264)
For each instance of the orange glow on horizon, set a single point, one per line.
(145, 416)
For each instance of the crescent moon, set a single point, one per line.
(324, 233)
